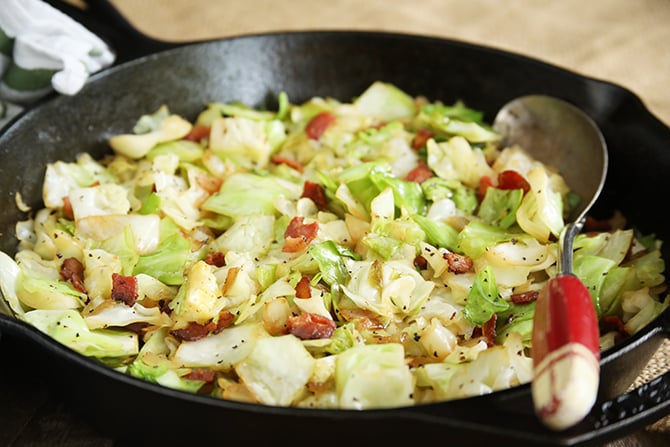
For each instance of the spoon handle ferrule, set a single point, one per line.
(565, 244)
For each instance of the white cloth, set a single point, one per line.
(44, 38)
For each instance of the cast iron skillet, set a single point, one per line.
(254, 69)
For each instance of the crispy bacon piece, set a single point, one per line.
(205, 375)
(508, 179)
(315, 192)
(225, 319)
(309, 326)
(276, 159)
(298, 235)
(68, 213)
(192, 332)
(124, 289)
(420, 173)
(525, 297)
(137, 327)
(198, 133)
(617, 323)
(164, 306)
(511, 179)
(195, 331)
(420, 262)
(302, 289)
(489, 330)
(217, 259)
(319, 124)
(73, 270)
(421, 137)
(458, 263)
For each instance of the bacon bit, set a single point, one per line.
(198, 133)
(525, 297)
(217, 259)
(164, 306)
(458, 263)
(302, 289)
(298, 235)
(204, 375)
(137, 328)
(209, 183)
(591, 224)
(617, 323)
(511, 179)
(225, 319)
(68, 212)
(421, 137)
(489, 330)
(363, 318)
(124, 289)
(276, 159)
(484, 183)
(195, 331)
(310, 326)
(476, 332)
(315, 192)
(319, 124)
(73, 270)
(420, 173)
(192, 332)
(420, 262)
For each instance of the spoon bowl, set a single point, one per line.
(561, 136)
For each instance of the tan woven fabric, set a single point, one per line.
(622, 41)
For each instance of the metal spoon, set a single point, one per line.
(565, 339)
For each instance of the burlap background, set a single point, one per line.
(623, 41)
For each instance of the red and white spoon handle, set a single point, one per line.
(566, 353)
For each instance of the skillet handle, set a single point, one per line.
(634, 410)
(102, 18)
(640, 406)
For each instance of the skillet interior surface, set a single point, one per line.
(255, 69)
